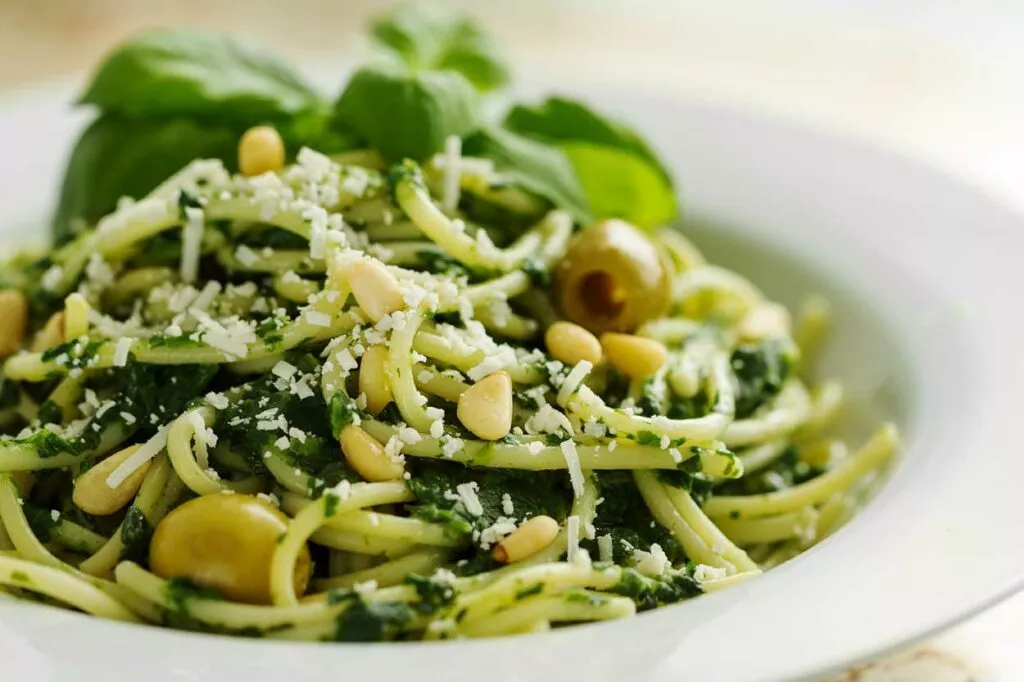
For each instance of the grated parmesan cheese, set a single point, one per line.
(572, 532)
(121, 350)
(572, 462)
(467, 494)
(147, 451)
(191, 241)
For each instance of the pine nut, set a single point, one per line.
(527, 540)
(485, 408)
(13, 320)
(92, 494)
(376, 290)
(367, 456)
(76, 317)
(570, 343)
(765, 321)
(51, 335)
(635, 356)
(373, 379)
(260, 150)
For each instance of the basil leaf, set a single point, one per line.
(171, 72)
(538, 168)
(423, 38)
(622, 185)
(560, 120)
(408, 115)
(118, 157)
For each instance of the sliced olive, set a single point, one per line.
(225, 543)
(612, 278)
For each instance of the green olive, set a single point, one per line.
(225, 543)
(612, 278)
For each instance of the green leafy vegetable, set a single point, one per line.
(372, 621)
(761, 370)
(624, 515)
(136, 531)
(428, 38)
(180, 72)
(434, 593)
(532, 493)
(40, 520)
(619, 173)
(559, 119)
(538, 168)
(648, 593)
(405, 114)
(117, 157)
(689, 477)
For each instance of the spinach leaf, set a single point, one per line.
(180, 72)
(649, 593)
(377, 621)
(619, 173)
(40, 520)
(624, 515)
(136, 532)
(689, 477)
(536, 167)
(406, 114)
(117, 157)
(622, 185)
(425, 38)
(761, 370)
(532, 493)
(559, 119)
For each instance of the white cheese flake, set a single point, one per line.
(572, 463)
(121, 350)
(147, 451)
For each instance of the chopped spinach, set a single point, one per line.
(648, 593)
(434, 593)
(761, 370)
(136, 531)
(625, 517)
(372, 621)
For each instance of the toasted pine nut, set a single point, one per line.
(76, 317)
(367, 456)
(570, 343)
(260, 150)
(485, 408)
(13, 320)
(635, 356)
(763, 321)
(527, 540)
(92, 494)
(51, 335)
(373, 379)
(376, 290)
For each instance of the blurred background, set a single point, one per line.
(937, 79)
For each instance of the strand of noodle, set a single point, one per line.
(437, 383)
(102, 562)
(77, 538)
(591, 606)
(421, 562)
(626, 455)
(813, 322)
(281, 260)
(441, 349)
(237, 616)
(381, 525)
(800, 524)
(62, 586)
(586, 404)
(311, 518)
(713, 280)
(134, 282)
(870, 455)
(361, 545)
(790, 410)
(294, 289)
(671, 330)
(31, 366)
(506, 286)
(508, 324)
(826, 403)
(716, 584)
(683, 253)
(182, 456)
(21, 457)
(410, 402)
(762, 456)
(702, 541)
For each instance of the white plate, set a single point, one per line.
(926, 277)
